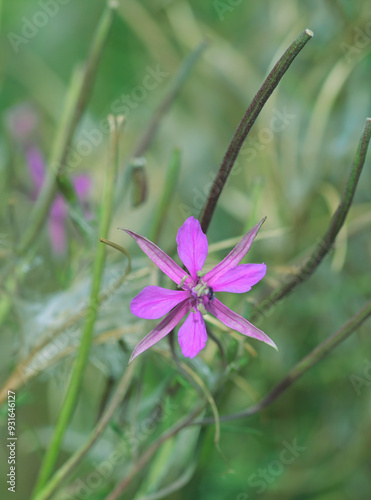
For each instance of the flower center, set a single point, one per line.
(201, 294)
(200, 290)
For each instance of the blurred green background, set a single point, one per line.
(292, 169)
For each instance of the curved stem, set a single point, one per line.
(327, 241)
(302, 367)
(247, 122)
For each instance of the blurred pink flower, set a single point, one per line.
(22, 122)
(58, 211)
(195, 294)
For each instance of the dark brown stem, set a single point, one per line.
(247, 122)
(327, 241)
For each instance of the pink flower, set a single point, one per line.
(196, 292)
(58, 214)
(22, 122)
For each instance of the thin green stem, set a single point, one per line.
(215, 339)
(138, 181)
(327, 241)
(76, 101)
(118, 247)
(88, 328)
(301, 368)
(247, 122)
(68, 467)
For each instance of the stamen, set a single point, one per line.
(201, 290)
(201, 308)
(182, 282)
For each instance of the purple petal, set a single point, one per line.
(237, 322)
(153, 302)
(241, 278)
(233, 258)
(57, 234)
(159, 257)
(192, 335)
(162, 329)
(59, 209)
(192, 246)
(82, 185)
(57, 225)
(36, 165)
